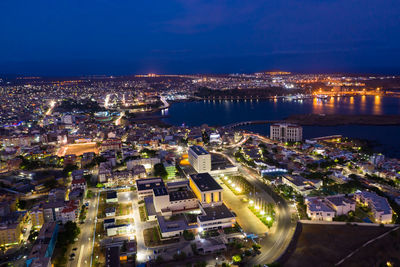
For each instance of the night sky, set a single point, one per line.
(68, 37)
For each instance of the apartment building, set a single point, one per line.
(286, 132)
(200, 159)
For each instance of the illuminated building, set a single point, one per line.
(207, 190)
(37, 218)
(200, 159)
(286, 132)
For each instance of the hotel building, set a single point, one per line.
(200, 159)
(286, 132)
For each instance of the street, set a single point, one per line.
(84, 245)
(280, 235)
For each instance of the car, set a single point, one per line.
(72, 255)
(74, 249)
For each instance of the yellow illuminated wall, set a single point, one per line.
(195, 190)
(10, 235)
(37, 219)
(208, 197)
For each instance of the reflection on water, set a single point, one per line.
(363, 105)
(377, 105)
(222, 112)
(317, 105)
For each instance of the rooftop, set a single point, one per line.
(216, 213)
(111, 194)
(150, 183)
(317, 205)
(379, 203)
(205, 182)
(160, 191)
(181, 195)
(199, 150)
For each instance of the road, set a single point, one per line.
(280, 235)
(48, 112)
(246, 219)
(165, 103)
(142, 251)
(84, 245)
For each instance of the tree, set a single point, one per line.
(71, 231)
(69, 168)
(148, 152)
(236, 258)
(33, 235)
(188, 235)
(159, 170)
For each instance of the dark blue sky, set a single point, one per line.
(68, 37)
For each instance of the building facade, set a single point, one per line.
(200, 159)
(207, 190)
(286, 132)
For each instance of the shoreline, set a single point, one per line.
(339, 119)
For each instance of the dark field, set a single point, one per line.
(326, 245)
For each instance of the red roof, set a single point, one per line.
(79, 181)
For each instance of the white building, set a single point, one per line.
(167, 201)
(69, 214)
(317, 210)
(120, 229)
(147, 163)
(215, 217)
(379, 206)
(145, 186)
(286, 132)
(326, 208)
(200, 159)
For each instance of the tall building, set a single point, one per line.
(200, 159)
(43, 249)
(37, 217)
(286, 132)
(10, 228)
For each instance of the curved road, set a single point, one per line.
(275, 244)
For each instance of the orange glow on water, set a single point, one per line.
(377, 105)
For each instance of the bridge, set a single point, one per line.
(238, 124)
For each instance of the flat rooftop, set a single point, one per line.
(112, 220)
(160, 191)
(199, 150)
(205, 182)
(148, 184)
(181, 195)
(216, 213)
(111, 194)
(112, 258)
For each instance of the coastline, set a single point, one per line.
(338, 119)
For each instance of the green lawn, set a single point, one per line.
(143, 213)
